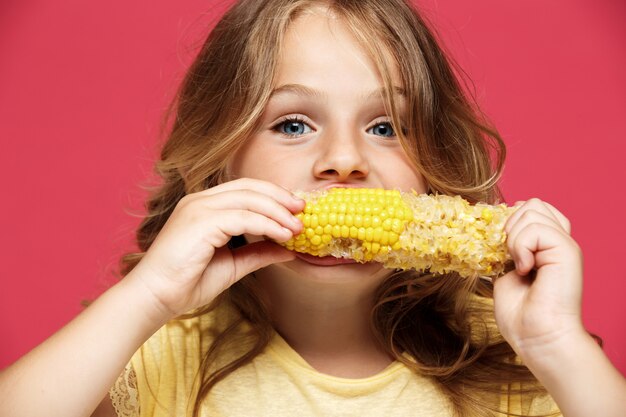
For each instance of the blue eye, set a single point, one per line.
(292, 127)
(382, 129)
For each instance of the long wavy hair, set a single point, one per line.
(442, 322)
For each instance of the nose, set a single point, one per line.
(342, 156)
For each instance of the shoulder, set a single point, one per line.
(122, 400)
(168, 364)
(185, 340)
(532, 404)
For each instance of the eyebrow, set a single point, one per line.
(303, 90)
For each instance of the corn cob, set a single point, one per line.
(438, 233)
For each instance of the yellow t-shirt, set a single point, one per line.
(159, 382)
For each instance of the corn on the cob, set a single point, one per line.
(438, 233)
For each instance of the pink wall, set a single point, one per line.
(82, 87)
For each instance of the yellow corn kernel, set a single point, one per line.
(437, 233)
(487, 215)
(367, 219)
(358, 220)
(375, 247)
(384, 238)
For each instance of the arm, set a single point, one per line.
(82, 360)
(186, 267)
(105, 409)
(539, 314)
(579, 376)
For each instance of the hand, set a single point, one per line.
(189, 262)
(539, 303)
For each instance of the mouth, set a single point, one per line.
(341, 185)
(323, 260)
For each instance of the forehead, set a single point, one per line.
(318, 43)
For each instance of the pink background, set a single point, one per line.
(82, 87)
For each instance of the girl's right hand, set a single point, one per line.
(189, 262)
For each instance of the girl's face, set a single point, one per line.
(325, 124)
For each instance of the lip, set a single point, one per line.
(323, 260)
(341, 185)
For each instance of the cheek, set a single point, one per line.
(400, 173)
(260, 161)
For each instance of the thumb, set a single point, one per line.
(257, 255)
(510, 290)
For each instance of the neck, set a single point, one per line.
(327, 323)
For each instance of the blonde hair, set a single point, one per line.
(439, 321)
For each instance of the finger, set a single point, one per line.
(527, 218)
(233, 265)
(249, 222)
(280, 194)
(238, 222)
(564, 221)
(255, 202)
(537, 205)
(512, 285)
(538, 245)
(258, 255)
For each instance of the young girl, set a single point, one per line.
(215, 319)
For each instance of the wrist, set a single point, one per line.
(152, 311)
(556, 350)
(556, 362)
(578, 375)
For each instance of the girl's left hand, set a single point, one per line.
(538, 304)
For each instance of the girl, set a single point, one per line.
(212, 318)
